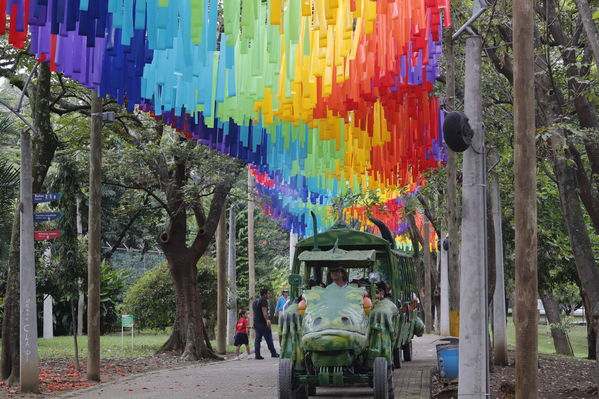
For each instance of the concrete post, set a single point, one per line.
(473, 362)
(444, 290)
(232, 272)
(29, 360)
(81, 299)
(292, 241)
(221, 289)
(499, 313)
(251, 266)
(428, 295)
(48, 319)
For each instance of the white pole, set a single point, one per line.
(499, 314)
(444, 290)
(473, 358)
(81, 300)
(251, 268)
(232, 272)
(48, 322)
(29, 360)
(292, 241)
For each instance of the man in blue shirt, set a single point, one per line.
(281, 302)
(339, 276)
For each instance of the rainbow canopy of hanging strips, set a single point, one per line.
(320, 96)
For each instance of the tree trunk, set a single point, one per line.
(588, 273)
(74, 322)
(591, 335)
(589, 27)
(189, 336)
(561, 341)
(94, 239)
(44, 147)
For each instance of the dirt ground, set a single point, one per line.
(559, 378)
(58, 376)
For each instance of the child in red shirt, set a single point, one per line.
(241, 334)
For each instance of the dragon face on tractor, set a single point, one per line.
(348, 332)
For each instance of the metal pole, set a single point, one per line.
(251, 269)
(48, 319)
(94, 240)
(499, 314)
(444, 291)
(81, 299)
(221, 291)
(453, 261)
(232, 299)
(427, 303)
(29, 360)
(473, 359)
(48, 322)
(292, 241)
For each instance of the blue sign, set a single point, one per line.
(37, 198)
(46, 216)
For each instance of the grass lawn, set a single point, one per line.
(110, 346)
(577, 333)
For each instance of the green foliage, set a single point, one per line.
(113, 284)
(71, 267)
(567, 295)
(565, 325)
(9, 177)
(271, 257)
(152, 298)
(368, 199)
(9, 180)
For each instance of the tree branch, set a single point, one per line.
(146, 190)
(121, 236)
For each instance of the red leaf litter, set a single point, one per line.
(62, 375)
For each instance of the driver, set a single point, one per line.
(339, 276)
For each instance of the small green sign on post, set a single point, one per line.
(127, 321)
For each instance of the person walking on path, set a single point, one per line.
(241, 334)
(282, 302)
(262, 325)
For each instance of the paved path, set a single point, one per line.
(253, 379)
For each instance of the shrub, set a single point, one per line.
(152, 299)
(112, 288)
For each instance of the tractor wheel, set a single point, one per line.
(397, 358)
(407, 352)
(287, 389)
(380, 378)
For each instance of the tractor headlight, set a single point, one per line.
(374, 277)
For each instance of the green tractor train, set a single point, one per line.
(352, 332)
